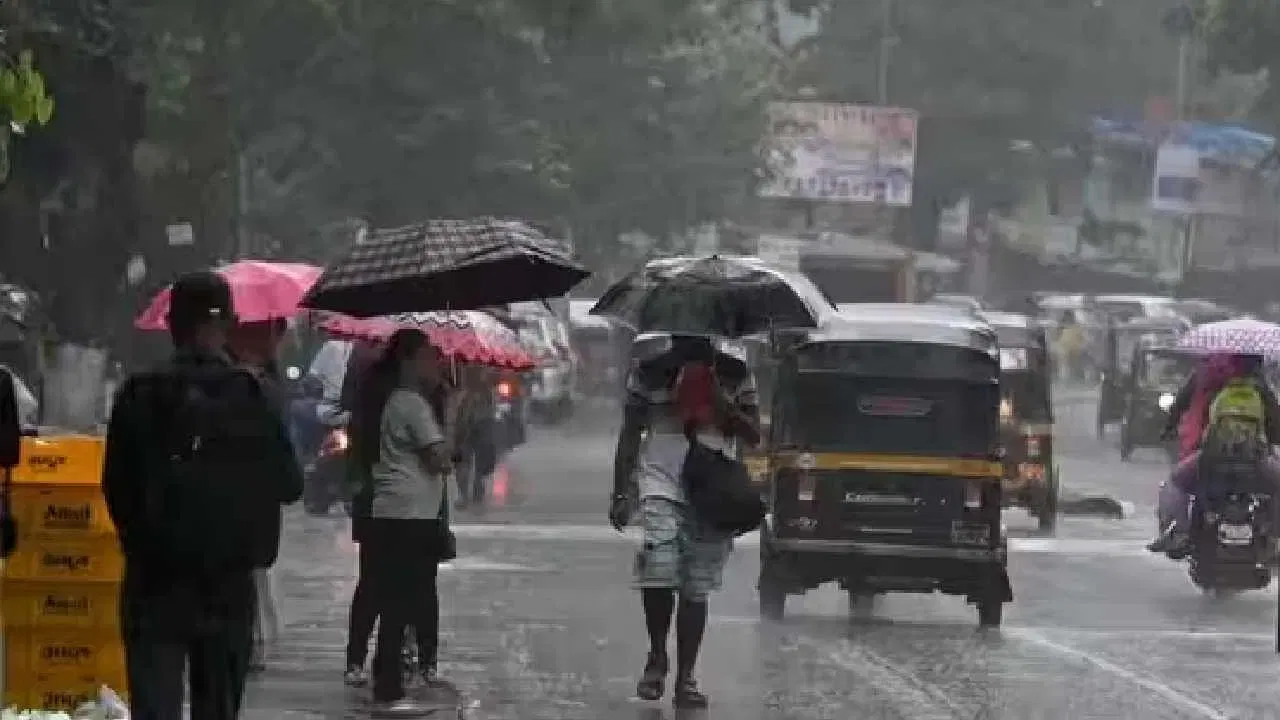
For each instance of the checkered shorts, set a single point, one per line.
(678, 552)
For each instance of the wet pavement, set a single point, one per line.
(539, 622)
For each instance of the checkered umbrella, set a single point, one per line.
(730, 295)
(443, 265)
(1242, 336)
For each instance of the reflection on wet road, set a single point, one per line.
(540, 622)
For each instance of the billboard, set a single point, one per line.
(837, 152)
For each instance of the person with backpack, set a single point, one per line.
(689, 393)
(1225, 410)
(197, 465)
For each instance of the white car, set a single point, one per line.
(552, 385)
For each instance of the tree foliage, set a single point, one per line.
(24, 101)
(593, 115)
(1240, 36)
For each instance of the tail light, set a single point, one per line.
(506, 390)
(337, 442)
(1033, 446)
(806, 486)
(973, 495)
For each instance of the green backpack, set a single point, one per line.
(1237, 416)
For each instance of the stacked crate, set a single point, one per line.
(60, 589)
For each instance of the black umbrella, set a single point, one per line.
(443, 265)
(730, 295)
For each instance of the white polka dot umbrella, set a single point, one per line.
(1244, 336)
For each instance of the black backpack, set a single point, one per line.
(209, 509)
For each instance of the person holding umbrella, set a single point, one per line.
(689, 392)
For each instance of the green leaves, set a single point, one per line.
(24, 101)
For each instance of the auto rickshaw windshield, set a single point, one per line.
(917, 399)
(1166, 369)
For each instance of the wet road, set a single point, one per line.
(539, 621)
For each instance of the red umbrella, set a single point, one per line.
(260, 290)
(459, 341)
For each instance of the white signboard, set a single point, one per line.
(180, 234)
(1177, 183)
(838, 152)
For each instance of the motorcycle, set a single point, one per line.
(325, 477)
(1232, 539)
(508, 417)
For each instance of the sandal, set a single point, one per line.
(687, 696)
(654, 678)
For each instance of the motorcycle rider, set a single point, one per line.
(1225, 410)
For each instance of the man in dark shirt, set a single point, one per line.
(174, 617)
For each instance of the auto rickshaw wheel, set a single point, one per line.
(773, 597)
(990, 612)
(773, 594)
(862, 604)
(1126, 442)
(1047, 513)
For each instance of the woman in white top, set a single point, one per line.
(406, 535)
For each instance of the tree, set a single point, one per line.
(1240, 37)
(24, 101)
(591, 115)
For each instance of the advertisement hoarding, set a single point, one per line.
(837, 152)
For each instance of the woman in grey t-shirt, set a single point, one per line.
(409, 457)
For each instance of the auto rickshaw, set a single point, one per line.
(883, 462)
(1158, 372)
(1026, 417)
(1117, 352)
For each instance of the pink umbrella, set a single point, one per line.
(457, 336)
(260, 290)
(1243, 336)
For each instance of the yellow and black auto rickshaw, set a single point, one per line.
(883, 462)
(1026, 417)
(1117, 352)
(1157, 371)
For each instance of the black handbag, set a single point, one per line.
(720, 490)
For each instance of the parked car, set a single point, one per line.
(552, 387)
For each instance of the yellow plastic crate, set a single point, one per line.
(63, 654)
(90, 560)
(82, 606)
(60, 460)
(56, 692)
(61, 511)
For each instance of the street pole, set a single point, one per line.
(1180, 96)
(886, 46)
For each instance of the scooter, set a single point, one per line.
(325, 477)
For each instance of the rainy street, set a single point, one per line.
(539, 621)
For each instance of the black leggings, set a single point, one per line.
(400, 570)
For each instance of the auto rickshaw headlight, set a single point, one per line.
(1165, 401)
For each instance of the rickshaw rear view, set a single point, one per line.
(884, 462)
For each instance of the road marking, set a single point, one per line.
(922, 700)
(1155, 687)
(1120, 547)
(479, 564)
